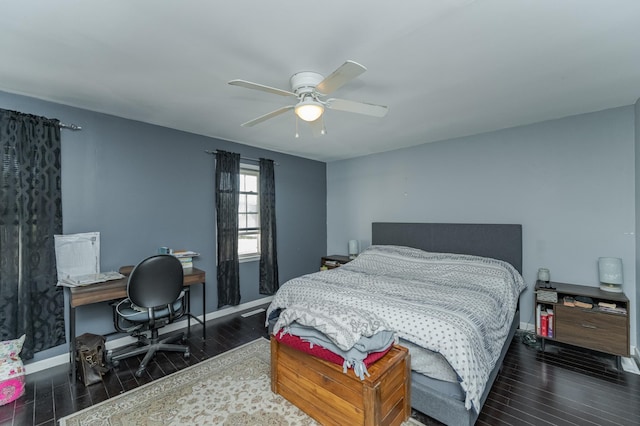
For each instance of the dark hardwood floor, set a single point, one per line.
(562, 386)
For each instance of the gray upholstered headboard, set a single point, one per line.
(499, 241)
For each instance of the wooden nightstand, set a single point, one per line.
(596, 328)
(333, 261)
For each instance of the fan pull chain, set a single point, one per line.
(297, 134)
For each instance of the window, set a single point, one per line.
(249, 212)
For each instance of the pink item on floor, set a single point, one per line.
(11, 370)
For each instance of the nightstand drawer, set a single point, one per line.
(591, 329)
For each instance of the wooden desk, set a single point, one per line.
(117, 289)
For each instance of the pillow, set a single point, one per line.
(10, 349)
(11, 370)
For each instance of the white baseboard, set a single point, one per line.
(57, 360)
(635, 355)
(527, 326)
(629, 365)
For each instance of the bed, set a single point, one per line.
(415, 265)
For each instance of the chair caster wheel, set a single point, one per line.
(109, 359)
(187, 355)
(139, 372)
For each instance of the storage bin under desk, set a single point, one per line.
(323, 391)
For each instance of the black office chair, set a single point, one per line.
(155, 298)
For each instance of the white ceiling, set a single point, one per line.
(445, 68)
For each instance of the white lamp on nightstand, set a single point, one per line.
(610, 271)
(354, 248)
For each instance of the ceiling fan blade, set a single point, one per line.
(345, 73)
(357, 107)
(267, 116)
(262, 87)
(317, 127)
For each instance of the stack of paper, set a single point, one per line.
(186, 257)
(82, 280)
(185, 253)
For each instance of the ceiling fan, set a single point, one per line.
(310, 89)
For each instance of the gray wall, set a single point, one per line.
(144, 186)
(637, 179)
(569, 182)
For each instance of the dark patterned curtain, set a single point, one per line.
(227, 201)
(268, 248)
(30, 216)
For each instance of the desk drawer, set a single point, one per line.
(592, 329)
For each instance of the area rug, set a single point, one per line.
(233, 388)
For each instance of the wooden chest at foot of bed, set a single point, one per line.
(331, 397)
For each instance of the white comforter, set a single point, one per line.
(458, 305)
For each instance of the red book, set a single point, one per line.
(544, 324)
(549, 323)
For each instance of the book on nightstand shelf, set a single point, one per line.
(584, 302)
(544, 321)
(611, 307)
(544, 324)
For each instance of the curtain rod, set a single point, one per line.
(69, 126)
(242, 158)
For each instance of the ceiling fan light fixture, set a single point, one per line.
(309, 109)
(309, 88)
